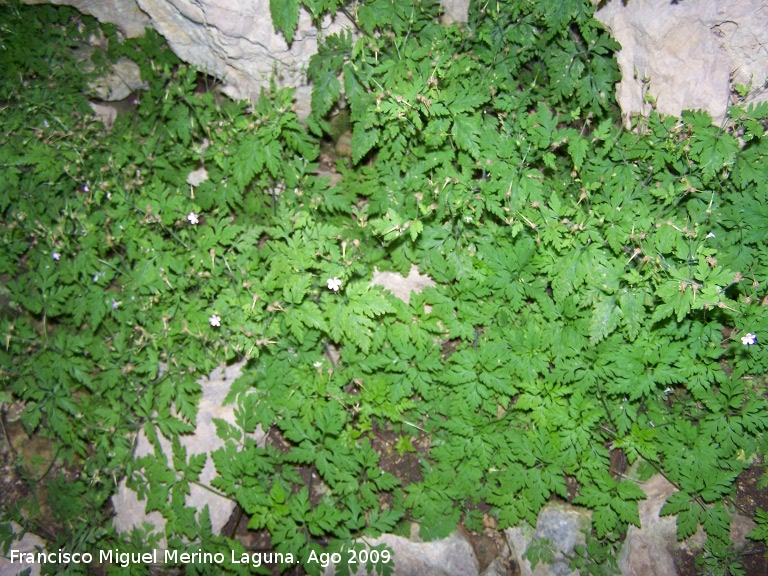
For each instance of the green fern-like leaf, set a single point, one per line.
(285, 16)
(466, 133)
(364, 138)
(605, 318)
(248, 161)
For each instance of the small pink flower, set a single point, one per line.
(215, 320)
(56, 256)
(192, 217)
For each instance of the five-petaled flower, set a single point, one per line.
(749, 339)
(56, 256)
(192, 217)
(215, 320)
(334, 284)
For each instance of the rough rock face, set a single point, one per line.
(234, 41)
(126, 14)
(688, 55)
(563, 525)
(649, 550)
(452, 556)
(653, 548)
(456, 10)
(28, 543)
(129, 510)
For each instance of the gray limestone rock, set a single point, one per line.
(688, 55)
(123, 79)
(402, 286)
(651, 549)
(563, 525)
(452, 556)
(647, 549)
(129, 510)
(456, 10)
(126, 14)
(28, 543)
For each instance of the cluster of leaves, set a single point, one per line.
(114, 268)
(598, 280)
(594, 283)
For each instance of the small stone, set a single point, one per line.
(29, 543)
(563, 525)
(402, 286)
(452, 556)
(344, 145)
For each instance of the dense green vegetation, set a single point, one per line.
(598, 289)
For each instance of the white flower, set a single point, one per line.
(192, 217)
(711, 235)
(56, 256)
(334, 284)
(749, 339)
(215, 320)
(317, 364)
(115, 304)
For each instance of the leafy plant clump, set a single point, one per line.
(598, 289)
